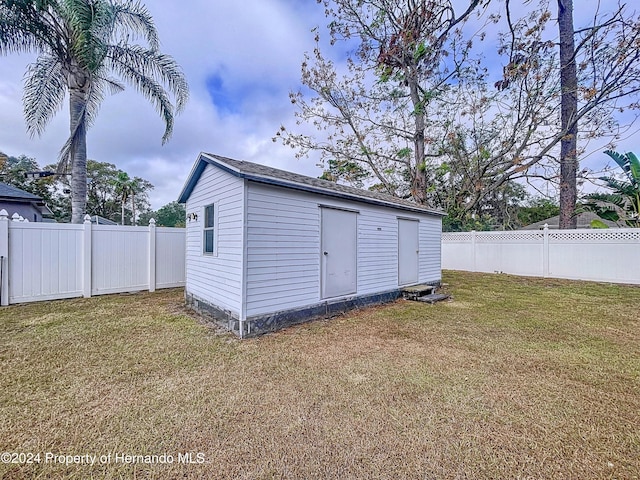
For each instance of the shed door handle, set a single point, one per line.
(326, 253)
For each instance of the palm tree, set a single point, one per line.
(80, 44)
(622, 204)
(125, 189)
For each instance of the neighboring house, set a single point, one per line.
(29, 206)
(98, 220)
(584, 221)
(268, 248)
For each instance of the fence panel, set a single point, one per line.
(120, 259)
(606, 255)
(46, 261)
(170, 257)
(611, 255)
(517, 253)
(457, 251)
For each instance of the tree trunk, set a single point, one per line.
(77, 102)
(124, 199)
(133, 209)
(419, 183)
(569, 108)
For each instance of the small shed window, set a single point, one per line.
(209, 230)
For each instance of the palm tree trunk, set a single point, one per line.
(77, 103)
(133, 208)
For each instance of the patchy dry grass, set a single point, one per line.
(515, 378)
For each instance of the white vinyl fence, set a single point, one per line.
(608, 255)
(46, 261)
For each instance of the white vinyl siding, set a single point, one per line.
(216, 278)
(267, 253)
(283, 250)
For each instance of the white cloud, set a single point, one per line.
(254, 46)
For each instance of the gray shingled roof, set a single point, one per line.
(7, 191)
(264, 174)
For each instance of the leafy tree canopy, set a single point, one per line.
(621, 204)
(103, 198)
(170, 215)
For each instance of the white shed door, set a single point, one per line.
(408, 251)
(339, 252)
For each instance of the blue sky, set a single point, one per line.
(241, 59)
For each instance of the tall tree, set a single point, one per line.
(124, 188)
(103, 196)
(568, 112)
(527, 126)
(172, 214)
(407, 53)
(476, 137)
(594, 73)
(80, 44)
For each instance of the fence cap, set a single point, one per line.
(4, 215)
(87, 218)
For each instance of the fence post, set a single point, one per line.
(4, 257)
(473, 250)
(545, 251)
(86, 257)
(152, 255)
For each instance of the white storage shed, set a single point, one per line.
(268, 248)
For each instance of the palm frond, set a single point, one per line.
(148, 71)
(65, 156)
(604, 206)
(100, 86)
(133, 17)
(613, 199)
(619, 186)
(154, 64)
(634, 165)
(619, 158)
(86, 36)
(629, 164)
(22, 29)
(157, 95)
(44, 92)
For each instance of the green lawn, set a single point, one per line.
(515, 378)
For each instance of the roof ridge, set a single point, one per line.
(261, 171)
(7, 190)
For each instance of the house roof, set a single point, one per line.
(98, 220)
(584, 221)
(12, 193)
(282, 178)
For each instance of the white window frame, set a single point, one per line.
(213, 228)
